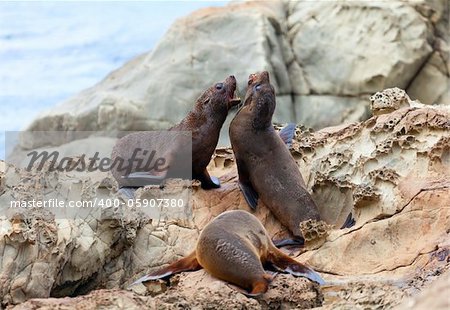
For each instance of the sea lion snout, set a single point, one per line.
(231, 86)
(231, 80)
(259, 77)
(254, 79)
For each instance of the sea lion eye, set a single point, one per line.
(219, 86)
(258, 87)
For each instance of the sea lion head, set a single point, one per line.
(260, 99)
(221, 96)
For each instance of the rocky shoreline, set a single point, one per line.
(391, 170)
(383, 155)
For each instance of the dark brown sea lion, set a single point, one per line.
(204, 122)
(267, 170)
(235, 247)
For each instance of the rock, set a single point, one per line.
(432, 297)
(191, 292)
(391, 171)
(316, 111)
(200, 290)
(432, 84)
(389, 100)
(363, 48)
(325, 59)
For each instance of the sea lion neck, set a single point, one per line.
(211, 115)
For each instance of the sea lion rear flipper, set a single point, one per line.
(349, 222)
(284, 263)
(188, 263)
(208, 182)
(287, 134)
(250, 195)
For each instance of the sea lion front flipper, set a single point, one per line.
(284, 263)
(208, 182)
(250, 195)
(142, 178)
(188, 263)
(287, 134)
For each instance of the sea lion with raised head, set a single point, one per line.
(267, 170)
(235, 247)
(204, 121)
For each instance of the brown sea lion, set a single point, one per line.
(235, 247)
(204, 121)
(266, 168)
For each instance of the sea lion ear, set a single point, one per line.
(206, 100)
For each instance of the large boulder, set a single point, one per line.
(324, 58)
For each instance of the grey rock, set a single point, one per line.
(325, 59)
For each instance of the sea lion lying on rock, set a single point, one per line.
(235, 247)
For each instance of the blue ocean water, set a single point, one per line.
(50, 51)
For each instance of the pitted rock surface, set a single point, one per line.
(391, 171)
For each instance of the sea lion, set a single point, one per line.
(204, 121)
(266, 168)
(235, 247)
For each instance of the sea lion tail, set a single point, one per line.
(259, 287)
(188, 263)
